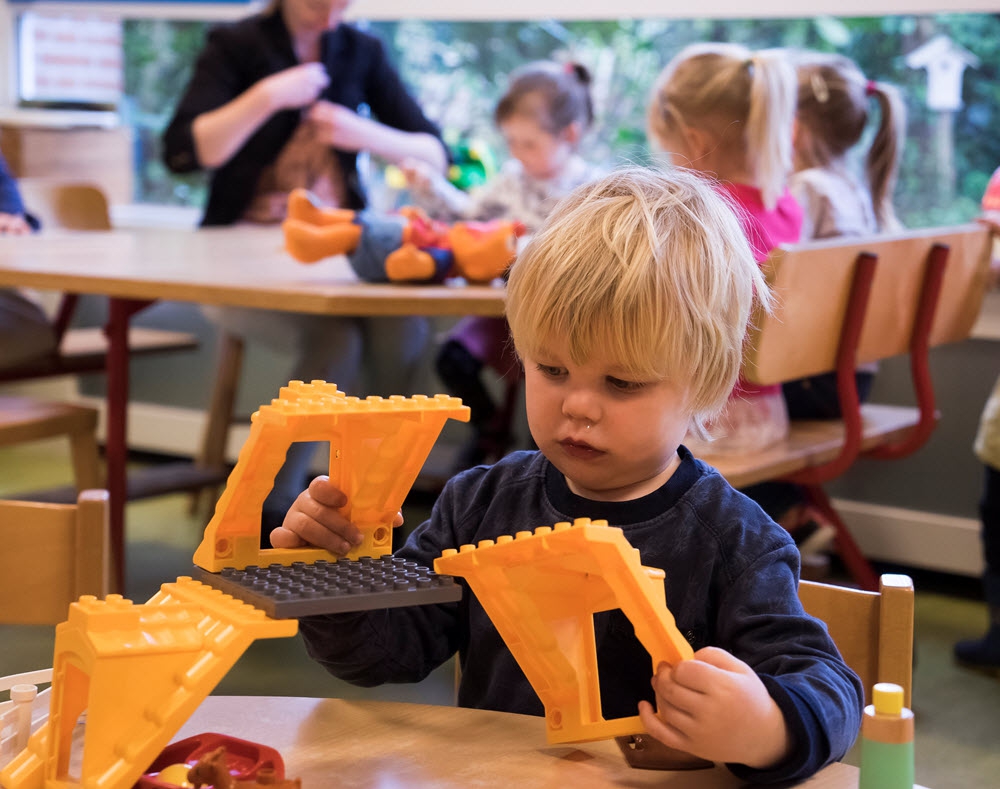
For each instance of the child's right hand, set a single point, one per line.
(315, 519)
(419, 174)
(14, 225)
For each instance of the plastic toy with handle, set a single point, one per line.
(402, 247)
(541, 591)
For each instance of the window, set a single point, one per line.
(458, 70)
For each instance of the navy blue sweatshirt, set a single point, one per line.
(731, 582)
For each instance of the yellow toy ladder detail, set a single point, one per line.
(385, 440)
(541, 591)
(139, 671)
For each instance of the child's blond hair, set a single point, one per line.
(648, 268)
(738, 97)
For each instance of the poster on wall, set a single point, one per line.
(70, 60)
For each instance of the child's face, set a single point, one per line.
(613, 438)
(542, 154)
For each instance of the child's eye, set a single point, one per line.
(550, 370)
(624, 386)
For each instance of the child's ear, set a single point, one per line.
(699, 142)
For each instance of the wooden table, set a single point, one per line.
(384, 745)
(242, 266)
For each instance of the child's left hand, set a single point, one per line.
(715, 706)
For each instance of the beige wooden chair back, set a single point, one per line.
(61, 204)
(52, 554)
(872, 630)
(812, 283)
(25, 419)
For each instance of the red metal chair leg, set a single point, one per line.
(850, 553)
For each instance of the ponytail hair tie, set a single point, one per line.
(871, 87)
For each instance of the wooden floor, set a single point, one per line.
(957, 711)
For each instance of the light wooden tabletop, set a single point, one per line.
(385, 745)
(240, 266)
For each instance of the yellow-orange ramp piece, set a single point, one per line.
(139, 671)
(377, 448)
(541, 591)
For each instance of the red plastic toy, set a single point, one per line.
(244, 760)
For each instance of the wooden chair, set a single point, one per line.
(25, 419)
(52, 554)
(846, 302)
(872, 630)
(81, 206)
(212, 456)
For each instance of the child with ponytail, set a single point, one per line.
(836, 105)
(726, 111)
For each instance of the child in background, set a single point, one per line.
(833, 113)
(542, 116)
(727, 112)
(629, 310)
(834, 99)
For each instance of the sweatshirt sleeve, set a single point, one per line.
(10, 196)
(403, 644)
(215, 81)
(763, 623)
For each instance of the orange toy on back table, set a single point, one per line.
(402, 247)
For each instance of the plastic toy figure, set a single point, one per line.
(216, 760)
(403, 247)
(212, 770)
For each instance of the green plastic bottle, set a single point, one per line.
(887, 741)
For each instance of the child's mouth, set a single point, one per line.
(579, 449)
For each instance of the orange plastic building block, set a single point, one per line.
(139, 671)
(377, 448)
(541, 591)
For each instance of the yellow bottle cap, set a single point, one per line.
(887, 698)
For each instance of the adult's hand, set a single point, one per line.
(297, 86)
(339, 127)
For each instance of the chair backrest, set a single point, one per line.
(872, 630)
(812, 282)
(52, 554)
(68, 205)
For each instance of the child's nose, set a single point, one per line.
(581, 406)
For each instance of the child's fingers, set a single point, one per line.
(339, 539)
(708, 670)
(398, 520)
(285, 538)
(324, 492)
(669, 694)
(669, 735)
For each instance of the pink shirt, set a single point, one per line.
(765, 229)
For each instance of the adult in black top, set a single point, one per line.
(275, 103)
(259, 78)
